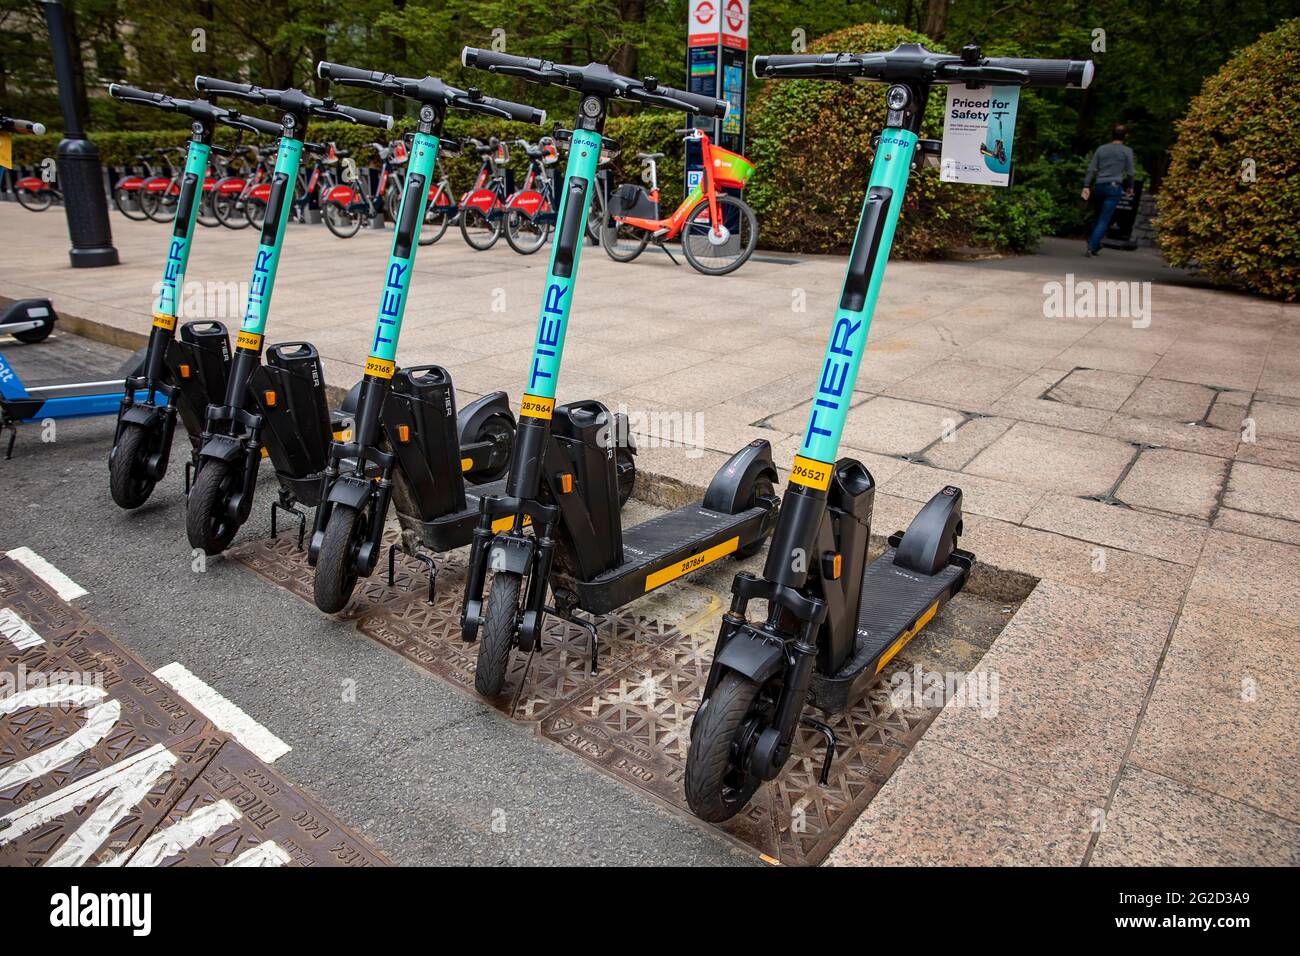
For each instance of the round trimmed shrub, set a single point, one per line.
(811, 143)
(1244, 125)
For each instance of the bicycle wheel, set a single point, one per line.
(622, 242)
(37, 200)
(478, 230)
(255, 212)
(596, 220)
(717, 254)
(127, 202)
(343, 221)
(524, 235)
(207, 216)
(435, 226)
(151, 200)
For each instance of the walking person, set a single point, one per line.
(1111, 169)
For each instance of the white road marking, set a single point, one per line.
(126, 782)
(228, 717)
(266, 853)
(101, 716)
(164, 844)
(63, 585)
(17, 631)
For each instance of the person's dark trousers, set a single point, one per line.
(1108, 196)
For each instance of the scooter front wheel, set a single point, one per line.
(336, 567)
(717, 788)
(206, 523)
(129, 484)
(498, 633)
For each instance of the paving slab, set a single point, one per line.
(1156, 821)
(1174, 482)
(1054, 459)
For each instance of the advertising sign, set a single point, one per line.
(978, 128)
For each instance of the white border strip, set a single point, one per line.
(223, 713)
(63, 585)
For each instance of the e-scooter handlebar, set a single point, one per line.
(9, 124)
(294, 101)
(240, 91)
(911, 61)
(594, 78)
(195, 109)
(430, 89)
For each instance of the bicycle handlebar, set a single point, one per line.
(431, 90)
(595, 78)
(911, 61)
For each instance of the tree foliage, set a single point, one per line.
(1231, 202)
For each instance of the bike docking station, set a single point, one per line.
(717, 60)
(558, 524)
(278, 408)
(410, 447)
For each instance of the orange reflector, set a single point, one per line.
(835, 566)
(566, 483)
(185, 371)
(270, 398)
(403, 433)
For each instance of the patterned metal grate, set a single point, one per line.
(103, 763)
(632, 720)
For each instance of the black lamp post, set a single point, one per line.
(80, 174)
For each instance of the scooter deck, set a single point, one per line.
(667, 547)
(895, 605)
(455, 530)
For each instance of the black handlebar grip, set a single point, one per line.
(1068, 73)
(693, 102)
(486, 59)
(808, 65)
(257, 124)
(131, 93)
(243, 91)
(339, 73)
(366, 117)
(519, 112)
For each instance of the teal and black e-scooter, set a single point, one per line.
(280, 403)
(833, 623)
(409, 445)
(558, 525)
(188, 373)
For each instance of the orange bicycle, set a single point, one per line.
(718, 230)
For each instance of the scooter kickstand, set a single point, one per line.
(424, 559)
(13, 437)
(289, 508)
(589, 627)
(825, 731)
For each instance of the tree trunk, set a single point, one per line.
(935, 19)
(625, 58)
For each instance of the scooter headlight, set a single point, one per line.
(897, 98)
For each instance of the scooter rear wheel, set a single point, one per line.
(716, 788)
(336, 570)
(206, 523)
(498, 633)
(127, 481)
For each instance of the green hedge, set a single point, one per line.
(1240, 232)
